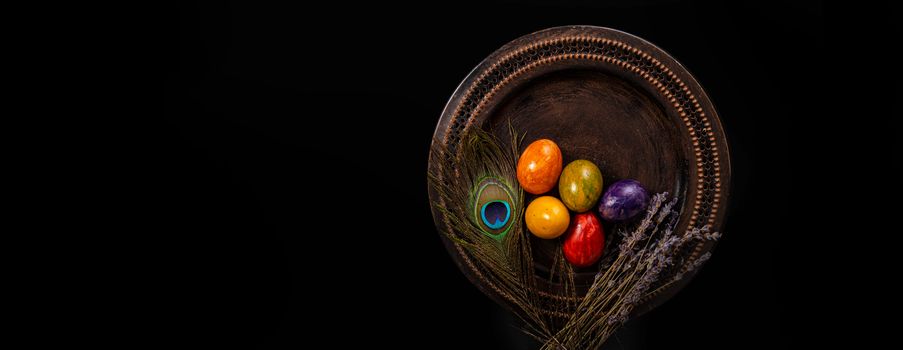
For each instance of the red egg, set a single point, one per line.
(584, 240)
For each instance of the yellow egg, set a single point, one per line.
(547, 217)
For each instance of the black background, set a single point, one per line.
(271, 108)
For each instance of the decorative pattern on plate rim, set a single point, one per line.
(581, 47)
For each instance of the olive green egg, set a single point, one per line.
(580, 185)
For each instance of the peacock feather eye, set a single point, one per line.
(495, 214)
(492, 207)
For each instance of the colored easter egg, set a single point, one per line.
(623, 200)
(547, 217)
(580, 185)
(584, 240)
(539, 166)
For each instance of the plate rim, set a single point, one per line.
(626, 41)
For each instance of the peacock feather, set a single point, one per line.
(478, 190)
(482, 205)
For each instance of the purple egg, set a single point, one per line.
(623, 200)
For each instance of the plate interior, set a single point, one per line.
(602, 118)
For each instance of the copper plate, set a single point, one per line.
(606, 96)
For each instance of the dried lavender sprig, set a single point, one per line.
(654, 262)
(602, 295)
(643, 259)
(654, 205)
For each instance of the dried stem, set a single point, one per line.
(647, 261)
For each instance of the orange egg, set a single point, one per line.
(539, 166)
